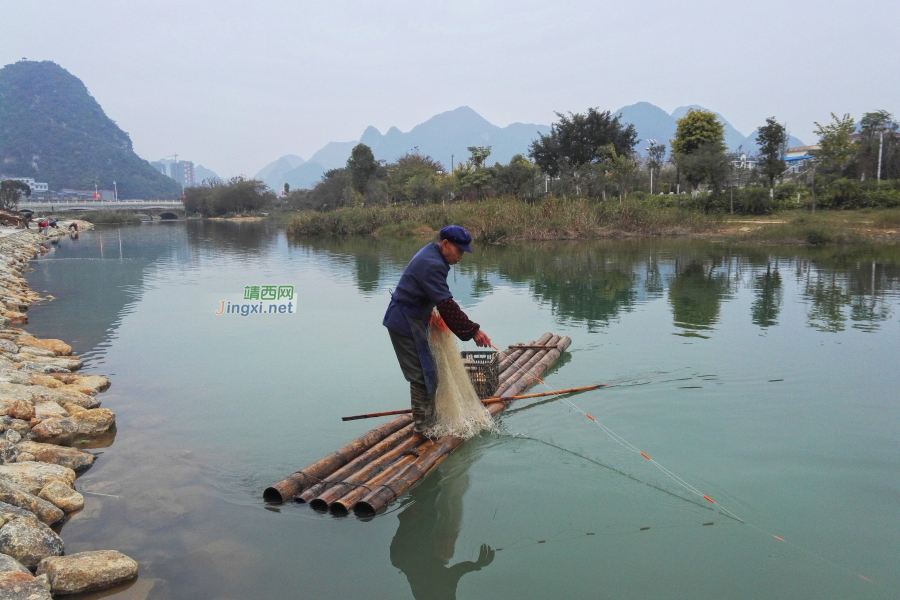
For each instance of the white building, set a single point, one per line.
(36, 187)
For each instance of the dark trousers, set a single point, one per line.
(422, 406)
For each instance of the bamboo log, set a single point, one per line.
(388, 443)
(535, 346)
(390, 489)
(509, 358)
(535, 371)
(538, 355)
(515, 368)
(491, 400)
(297, 482)
(517, 356)
(345, 503)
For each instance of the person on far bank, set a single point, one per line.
(422, 287)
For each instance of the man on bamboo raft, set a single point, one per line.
(422, 287)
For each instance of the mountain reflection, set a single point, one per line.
(425, 541)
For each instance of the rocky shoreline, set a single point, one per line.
(46, 407)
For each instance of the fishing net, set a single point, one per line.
(458, 411)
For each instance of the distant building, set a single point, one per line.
(36, 187)
(798, 157)
(181, 171)
(744, 162)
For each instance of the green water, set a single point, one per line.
(765, 378)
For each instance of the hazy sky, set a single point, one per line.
(233, 85)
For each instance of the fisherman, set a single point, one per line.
(422, 287)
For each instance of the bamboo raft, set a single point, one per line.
(369, 473)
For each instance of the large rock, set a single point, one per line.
(45, 410)
(21, 409)
(8, 512)
(62, 496)
(8, 563)
(33, 476)
(57, 346)
(46, 369)
(9, 452)
(86, 423)
(70, 364)
(9, 347)
(29, 541)
(96, 383)
(61, 396)
(10, 493)
(87, 571)
(57, 455)
(22, 586)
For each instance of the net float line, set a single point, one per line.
(406, 411)
(292, 485)
(389, 487)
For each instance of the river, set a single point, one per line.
(765, 378)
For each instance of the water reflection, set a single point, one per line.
(696, 294)
(767, 302)
(425, 541)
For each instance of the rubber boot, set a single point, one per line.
(422, 408)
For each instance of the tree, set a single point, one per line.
(579, 139)
(878, 141)
(838, 148)
(362, 167)
(656, 156)
(11, 191)
(622, 168)
(699, 147)
(237, 196)
(514, 178)
(287, 189)
(479, 155)
(772, 140)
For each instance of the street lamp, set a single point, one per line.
(649, 150)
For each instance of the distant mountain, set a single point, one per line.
(201, 174)
(446, 136)
(652, 122)
(273, 173)
(332, 156)
(53, 130)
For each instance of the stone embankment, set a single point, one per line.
(45, 408)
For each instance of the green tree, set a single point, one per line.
(579, 139)
(362, 167)
(415, 178)
(699, 147)
(516, 178)
(287, 189)
(838, 148)
(11, 191)
(479, 155)
(656, 156)
(772, 140)
(878, 139)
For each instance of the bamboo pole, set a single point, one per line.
(514, 369)
(388, 443)
(491, 400)
(518, 355)
(294, 484)
(391, 488)
(535, 371)
(345, 503)
(538, 355)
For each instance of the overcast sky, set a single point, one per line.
(233, 85)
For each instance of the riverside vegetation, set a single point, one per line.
(46, 409)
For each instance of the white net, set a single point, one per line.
(458, 410)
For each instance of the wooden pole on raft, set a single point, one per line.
(395, 481)
(294, 484)
(405, 411)
(388, 443)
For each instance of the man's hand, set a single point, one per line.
(482, 339)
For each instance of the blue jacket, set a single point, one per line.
(422, 286)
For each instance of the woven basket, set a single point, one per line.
(482, 367)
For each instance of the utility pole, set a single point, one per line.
(116, 189)
(451, 163)
(880, 147)
(650, 155)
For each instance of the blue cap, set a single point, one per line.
(458, 236)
